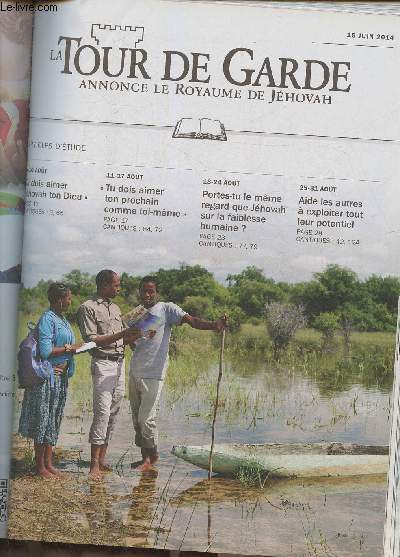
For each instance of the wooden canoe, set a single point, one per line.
(302, 460)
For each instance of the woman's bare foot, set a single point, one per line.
(54, 471)
(45, 474)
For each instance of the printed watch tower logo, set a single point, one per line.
(126, 35)
(111, 50)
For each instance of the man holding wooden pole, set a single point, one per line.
(149, 364)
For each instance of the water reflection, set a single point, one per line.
(99, 513)
(141, 511)
(177, 507)
(222, 490)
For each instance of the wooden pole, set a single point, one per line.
(221, 367)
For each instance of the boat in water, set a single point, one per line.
(289, 460)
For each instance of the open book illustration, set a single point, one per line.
(201, 128)
(262, 417)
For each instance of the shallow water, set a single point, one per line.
(177, 508)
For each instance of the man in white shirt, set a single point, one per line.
(149, 364)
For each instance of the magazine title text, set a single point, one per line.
(239, 67)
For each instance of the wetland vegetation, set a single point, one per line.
(331, 382)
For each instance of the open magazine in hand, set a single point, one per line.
(140, 318)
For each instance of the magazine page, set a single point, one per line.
(15, 57)
(239, 184)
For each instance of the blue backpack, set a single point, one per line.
(32, 370)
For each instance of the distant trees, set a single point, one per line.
(384, 290)
(82, 284)
(198, 305)
(364, 306)
(328, 290)
(334, 299)
(34, 300)
(253, 291)
(129, 285)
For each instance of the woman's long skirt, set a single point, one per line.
(42, 410)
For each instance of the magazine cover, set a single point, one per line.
(15, 56)
(210, 281)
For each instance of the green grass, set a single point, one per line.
(369, 362)
(28, 462)
(191, 355)
(252, 474)
(194, 368)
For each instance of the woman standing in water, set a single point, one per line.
(43, 405)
